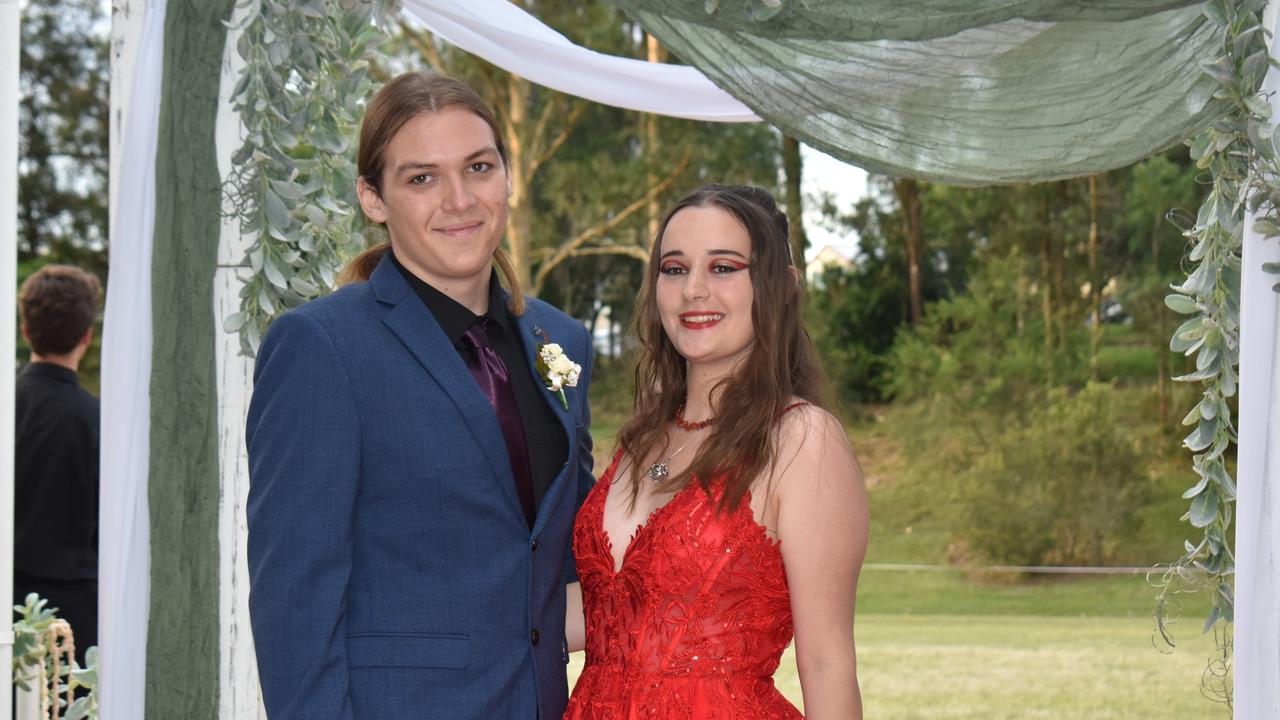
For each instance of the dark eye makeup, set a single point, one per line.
(727, 266)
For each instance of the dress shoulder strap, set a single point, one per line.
(613, 466)
(792, 406)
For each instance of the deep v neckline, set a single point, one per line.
(617, 565)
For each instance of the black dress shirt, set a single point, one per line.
(55, 476)
(543, 433)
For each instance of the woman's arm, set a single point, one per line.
(822, 525)
(575, 626)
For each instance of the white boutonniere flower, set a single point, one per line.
(557, 370)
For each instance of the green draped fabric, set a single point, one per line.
(958, 91)
(183, 486)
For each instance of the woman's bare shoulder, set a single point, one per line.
(813, 446)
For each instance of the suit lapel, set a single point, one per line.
(409, 320)
(528, 326)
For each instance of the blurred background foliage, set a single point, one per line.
(1022, 431)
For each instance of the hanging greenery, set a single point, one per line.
(1240, 152)
(43, 662)
(292, 185)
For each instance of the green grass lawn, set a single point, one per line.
(944, 593)
(989, 667)
(983, 666)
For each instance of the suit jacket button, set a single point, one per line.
(534, 636)
(535, 546)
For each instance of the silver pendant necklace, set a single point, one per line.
(659, 472)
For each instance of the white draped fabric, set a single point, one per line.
(1257, 610)
(519, 43)
(124, 571)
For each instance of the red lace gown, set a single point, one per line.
(693, 625)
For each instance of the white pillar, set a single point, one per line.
(239, 695)
(10, 38)
(1256, 669)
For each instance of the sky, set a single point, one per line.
(822, 173)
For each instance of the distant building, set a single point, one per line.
(827, 257)
(604, 335)
(610, 338)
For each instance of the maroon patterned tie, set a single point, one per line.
(491, 375)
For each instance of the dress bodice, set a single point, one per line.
(693, 624)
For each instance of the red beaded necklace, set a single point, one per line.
(683, 425)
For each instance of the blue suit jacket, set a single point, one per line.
(392, 571)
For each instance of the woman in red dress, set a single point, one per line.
(733, 515)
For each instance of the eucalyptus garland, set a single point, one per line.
(292, 185)
(34, 649)
(1231, 150)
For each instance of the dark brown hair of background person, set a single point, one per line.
(56, 305)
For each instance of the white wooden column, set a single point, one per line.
(239, 697)
(10, 39)
(1257, 609)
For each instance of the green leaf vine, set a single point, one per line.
(31, 639)
(292, 186)
(1237, 151)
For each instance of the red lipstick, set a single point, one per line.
(700, 319)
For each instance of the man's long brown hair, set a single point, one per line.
(780, 364)
(399, 101)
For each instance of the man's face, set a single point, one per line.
(444, 197)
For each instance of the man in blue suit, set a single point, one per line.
(415, 470)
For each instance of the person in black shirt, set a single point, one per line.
(56, 452)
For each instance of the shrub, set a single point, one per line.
(1061, 489)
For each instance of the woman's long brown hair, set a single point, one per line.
(780, 365)
(399, 101)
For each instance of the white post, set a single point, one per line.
(10, 37)
(239, 696)
(1256, 686)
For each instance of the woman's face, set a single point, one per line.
(444, 197)
(703, 289)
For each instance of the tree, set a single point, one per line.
(1074, 242)
(792, 169)
(907, 191)
(854, 315)
(1161, 193)
(63, 129)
